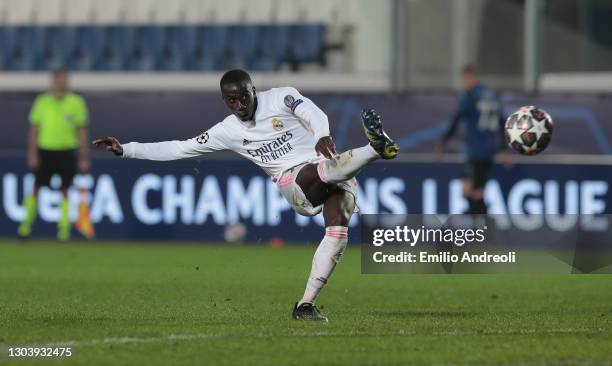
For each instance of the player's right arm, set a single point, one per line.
(214, 139)
(32, 148)
(313, 118)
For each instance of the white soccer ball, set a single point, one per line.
(529, 130)
(235, 233)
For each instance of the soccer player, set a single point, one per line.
(58, 129)
(480, 110)
(287, 135)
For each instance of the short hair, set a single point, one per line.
(469, 69)
(235, 76)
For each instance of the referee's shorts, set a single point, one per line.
(61, 162)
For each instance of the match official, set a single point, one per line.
(58, 133)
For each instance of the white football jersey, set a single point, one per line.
(283, 134)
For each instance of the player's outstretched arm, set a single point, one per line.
(157, 151)
(214, 139)
(111, 143)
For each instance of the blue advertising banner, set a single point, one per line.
(195, 200)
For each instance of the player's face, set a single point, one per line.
(240, 99)
(60, 83)
(469, 80)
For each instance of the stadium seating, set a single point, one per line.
(160, 47)
(86, 49)
(242, 46)
(115, 49)
(274, 48)
(178, 48)
(307, 43)
(161, 35)
(145, 51)
(210, 48)
(23, 48)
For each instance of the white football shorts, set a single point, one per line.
(296, 197)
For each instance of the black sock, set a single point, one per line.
(471, 206)
(480, 208)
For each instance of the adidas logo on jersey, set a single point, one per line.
(245, 142)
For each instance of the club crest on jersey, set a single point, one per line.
(277, 124)
(291, 102)
(203, 138)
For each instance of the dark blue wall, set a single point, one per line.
(415, 120)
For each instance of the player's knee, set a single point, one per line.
(349, 205)
(332, 171)
(346, 209)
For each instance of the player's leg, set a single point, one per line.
(318, 184)
(349, 163)
(337, 211)
(477, 183)
(63, 225)
(66, 166)
(467, 194)
(30, 203)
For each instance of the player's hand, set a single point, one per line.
(112, 144)
(326, 147)
(84, 165)
(506, 159)
(33, 162)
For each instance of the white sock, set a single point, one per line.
(324, 261)
(346, 165)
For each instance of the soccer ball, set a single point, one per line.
(529, 130)
(235, 233)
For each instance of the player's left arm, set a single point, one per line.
(82, 120)
(84, 161)
(314, 119)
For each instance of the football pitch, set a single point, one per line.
(173, 304)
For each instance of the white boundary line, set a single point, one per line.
(196, 336)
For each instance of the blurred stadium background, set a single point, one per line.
(149, 70)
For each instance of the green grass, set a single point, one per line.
(227, 305)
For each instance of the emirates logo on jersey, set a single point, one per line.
(273, 150)
(277, 124)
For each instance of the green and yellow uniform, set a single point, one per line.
(58, 122)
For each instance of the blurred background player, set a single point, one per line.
(481, 111)
(58, 133)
